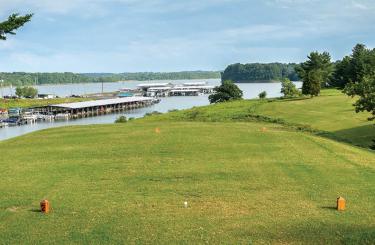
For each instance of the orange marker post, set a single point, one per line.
(44, 206)
(341, 204)
(157, 130)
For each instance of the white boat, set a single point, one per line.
(62, 116)
(41, 117)
(29, 117)
(3, 124)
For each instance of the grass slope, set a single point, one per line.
(331, 114)
(245, 182)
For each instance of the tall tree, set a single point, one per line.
(315, 72)
(225, 92)
(14, 22)
(355, 68)
(365, 89)
(342, 73)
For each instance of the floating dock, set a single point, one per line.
(97, 107)
(169, 89)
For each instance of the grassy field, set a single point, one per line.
(245, 182)
(26, 103)
(331, 114)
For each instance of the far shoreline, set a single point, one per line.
(124, 81)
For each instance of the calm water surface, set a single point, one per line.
(251, 90)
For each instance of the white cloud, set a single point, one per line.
(100, 7)
(170, 35)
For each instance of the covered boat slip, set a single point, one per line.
(169, 89)
(97, 107)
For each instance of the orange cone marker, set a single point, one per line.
(44, 206)
(341, 204)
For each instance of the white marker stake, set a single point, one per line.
(185, 204)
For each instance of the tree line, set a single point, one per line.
(255, 72)
(16, 21)
(24, 78)
(354, 75)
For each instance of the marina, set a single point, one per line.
(169, 89)
(97, 107)
(66, 111)
(44, 121)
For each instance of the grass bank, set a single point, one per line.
(331, 114)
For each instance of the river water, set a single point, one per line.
(251, 90)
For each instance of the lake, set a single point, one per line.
(251, 90)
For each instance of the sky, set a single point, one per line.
(179, 35)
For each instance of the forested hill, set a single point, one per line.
(23, 78)
(256, 72)
(144, 76)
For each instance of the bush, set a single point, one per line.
(26, 92)
(152, 113)
(225, 92)
(289, 89)
(263, 95)
(121, 119)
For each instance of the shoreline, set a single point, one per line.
(124, 81)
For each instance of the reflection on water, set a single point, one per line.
(250, 91)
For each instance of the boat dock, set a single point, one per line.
(169, 89)
(96, 107)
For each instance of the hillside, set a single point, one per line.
(331, 115)
(245, 180)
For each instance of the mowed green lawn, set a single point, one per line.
(127, 184)
(332, 113)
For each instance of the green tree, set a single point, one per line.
(14, 22)
(313, 86)
(26, 92)
(315, 72)
(354, 68)
(262, 95)
(342, 73)
(289, 89)
(121, 119)
(366, 92)
(225, 92)
(19, 92)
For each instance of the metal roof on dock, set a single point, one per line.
(94, 103)
(150, 85)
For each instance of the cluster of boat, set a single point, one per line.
(19, 116)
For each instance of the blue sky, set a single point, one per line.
(176, 35)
